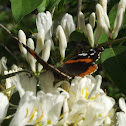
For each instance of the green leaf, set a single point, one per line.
(103, 37)
(48, 4)
(112, 15)
(124, 23)
(78, 35)
(42, 6)
(20, 8)
(114, 63)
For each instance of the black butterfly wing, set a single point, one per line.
(83, 64)
(80, 68)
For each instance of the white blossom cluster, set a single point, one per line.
(44, 42)
(79, 103)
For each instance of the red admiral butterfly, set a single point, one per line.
(81, 65)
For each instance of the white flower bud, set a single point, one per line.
(118, 23)
(122, 104)
(101, 19)
(122, 4)
(119, 18)
(68, 25)
(40, 67)
(3, 66)
(81, 21)
(4, 103)
(62, 40)
(30, 58)
(44, 21)
(90, 35)
(100, 14)
(46, 50)
(107, 20)
(104, 5)
(92, 19)
(52, 43)
(40, 41)
(22, 39)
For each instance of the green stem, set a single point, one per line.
(9, 89)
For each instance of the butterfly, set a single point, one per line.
(80, 65)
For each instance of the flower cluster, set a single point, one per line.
(80, 102)
(44, 42)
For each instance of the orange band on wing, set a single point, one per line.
(88, 60)
(90, 70)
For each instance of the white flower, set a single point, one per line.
(9, 83)
(68, 25)
(81, 88)
(119, 18)
(90, 34)
(46, 50)
(24, 83)
(88, 104)
(40, 67)
(22, 39)
(44, 109)
(46, 81)
(98, 109)
(82, 23)
(50, 106)
(40, 41)
(104, 5)
(26, 113)
(121, 116)
(102, 19)
(4, 103)
(44, 22)
(62, 40)
(44, 26)
(31, 60)
(122, 4)
(92, 19)
(3, 66)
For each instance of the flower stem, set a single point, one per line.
(78, 11)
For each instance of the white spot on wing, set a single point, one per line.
(92, 54)
(83, 54)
